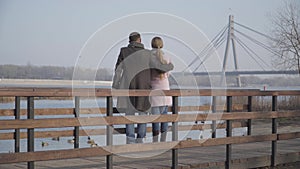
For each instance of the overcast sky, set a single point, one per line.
(53, 32)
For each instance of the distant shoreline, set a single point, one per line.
(52, 83)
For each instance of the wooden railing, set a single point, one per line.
(220, 112)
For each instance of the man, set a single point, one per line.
(132, 71)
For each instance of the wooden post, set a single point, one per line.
(109, 132)
(214, 124)
(30, 131)
(249, 124)
(228, 134)
(274, 131)
(76, 129)
(17, 117)
(175, 133)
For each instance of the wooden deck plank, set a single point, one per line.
(188, 158)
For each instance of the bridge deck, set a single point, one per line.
(251, 155)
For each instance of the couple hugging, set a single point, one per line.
(140, 68)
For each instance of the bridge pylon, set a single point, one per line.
(230, 40)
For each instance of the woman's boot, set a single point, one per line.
(155, 136)
(163, 136)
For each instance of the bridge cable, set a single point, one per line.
(212, 50)
(215, 46)
(262, 34)
(259, 43)
(209, 54)
(249, 51)
(266, 63)
(210, 45)
(262, 60)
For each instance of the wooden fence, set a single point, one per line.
(220, 112)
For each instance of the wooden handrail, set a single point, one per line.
(91, 132)
(70, 111)
(117, 120)
(90, 92)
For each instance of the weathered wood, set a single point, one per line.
(254, 162)
(109, 150)
(190, 159)
(70, 111)
(53, 111)
(90, 132)
(51, 155)
(39, 123)
(117, 120)
(287, 136)
(226, 140)
(7, 112)
(87, 92)
(129, 148)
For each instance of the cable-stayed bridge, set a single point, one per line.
(232, 35)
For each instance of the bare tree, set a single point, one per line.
(286, 31)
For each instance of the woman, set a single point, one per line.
(159, 81)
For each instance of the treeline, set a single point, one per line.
(280, 81)
(247, 81)
(53, 72)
